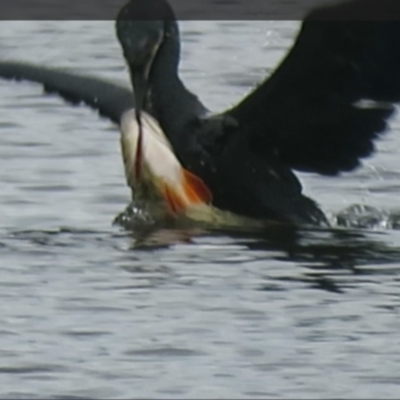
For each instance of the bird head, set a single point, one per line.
(140, 27)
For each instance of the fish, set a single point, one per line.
(158, 180)
(152, 169)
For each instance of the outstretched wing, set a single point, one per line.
(312, 112)
(109, 99)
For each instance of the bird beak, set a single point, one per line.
(139, 81)
(140, 78)
(140, 72)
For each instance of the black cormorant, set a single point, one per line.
(319, 111)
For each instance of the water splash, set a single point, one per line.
(366, 217)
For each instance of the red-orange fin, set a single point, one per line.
(175, 202)
(195, 189)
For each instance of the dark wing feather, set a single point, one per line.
(309, 112)
(109, 99)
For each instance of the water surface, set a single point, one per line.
(93, 311)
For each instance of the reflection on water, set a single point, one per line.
(331, 257)
(335, 260)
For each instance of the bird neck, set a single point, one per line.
(169, 101)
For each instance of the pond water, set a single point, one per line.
(90, 310)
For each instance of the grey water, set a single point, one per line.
(90, 310)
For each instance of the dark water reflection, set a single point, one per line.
(328, 259)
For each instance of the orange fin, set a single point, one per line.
(175, 202)
(195, 189)
(195, 192)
